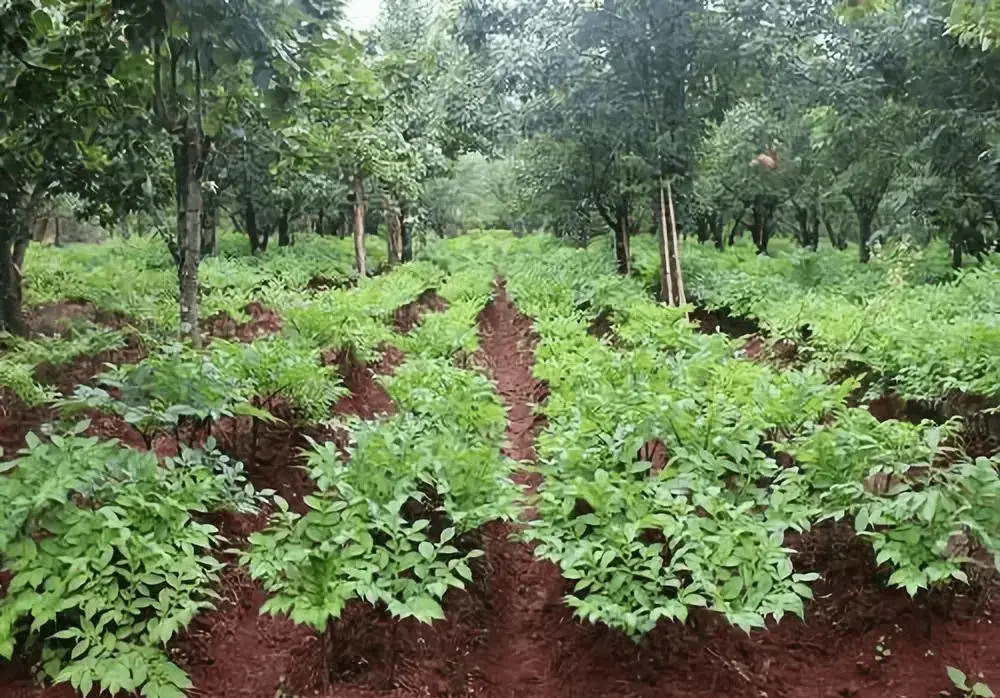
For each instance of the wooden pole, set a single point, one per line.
(666, 272)
(681, 296)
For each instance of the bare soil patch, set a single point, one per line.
(411, 315)
(263, 322)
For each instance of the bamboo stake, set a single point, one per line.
(681, 296)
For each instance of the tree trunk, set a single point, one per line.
(359, 226)
(11, 315)
(832, 234)
(189, 232)
(621, 242)
(284, 238)
(956, 243)
(802, 218)
(253, 232)
(407, 233)
(717, 230)
(762, 213)
(209, 226)
(866, 220)
(394, 224)
(737, 224)
(320, 222)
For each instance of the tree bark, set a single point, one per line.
(956, 243)
(284, 237)
(209, 226)
(622, 242)
(11, 315)
(407, 233)
(866, 220)
(717, 230)
(359, 225)
(189, 233)
(762, 212)
(394, 224)
(735, 229)
(253, 232)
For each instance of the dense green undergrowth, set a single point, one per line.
(112, 553)
(709, 529)
(916, 332)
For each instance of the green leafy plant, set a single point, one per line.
(110, 557)
(174, 387)
(394, 525)
(961, 683)
(280, 367)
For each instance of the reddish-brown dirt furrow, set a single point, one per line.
(263, 322)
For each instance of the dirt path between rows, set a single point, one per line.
(515, 658)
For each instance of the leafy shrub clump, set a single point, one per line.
(109, 558)
(751, 455)
(391, 525)
(175, 386)
(281, 367)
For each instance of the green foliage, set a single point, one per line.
(961, 682)
(356, 321)
(919, 340)
(393, 524)
(175, 385)
(108, 559)
(21, 356)
(280, 367)
(709, 528)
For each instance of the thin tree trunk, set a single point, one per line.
(866, 222)
(407, 233)
(284, 238)
(11, 316)
(394, 224)
(956, 248)
(621, 244)
(209, 225)
(359, 226)
(253, 232)
(320, 222)
(189, 234)
(735, 229)
(717, 228)
(802, 218)
(675, 256)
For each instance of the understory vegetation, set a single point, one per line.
(675, 470)
(629, 306)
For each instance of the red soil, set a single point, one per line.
(367, 399)
(409, 316)
(57, 319)
(263, 323)
(507, 344)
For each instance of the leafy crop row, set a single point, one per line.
(137, 278)
(111, 557)
(709, 528)
(395, 524)
(919, 340)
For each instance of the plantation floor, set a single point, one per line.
(510, 636)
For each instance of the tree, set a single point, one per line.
(57, 110)
(188, 42)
